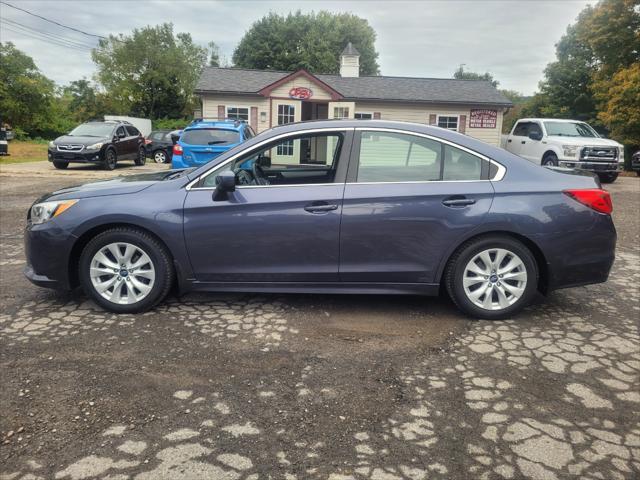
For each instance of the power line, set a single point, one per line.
(48, 40)
(52, 35)
(53, 21)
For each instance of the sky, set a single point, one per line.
(512, 39)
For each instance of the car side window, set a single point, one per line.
(461, 165)
(120, 132)
(132, 131)
(302, 160)
(534, 127)
(396, 157)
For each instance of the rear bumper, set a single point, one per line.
(47, 248)
(75, 157)
(579, 258)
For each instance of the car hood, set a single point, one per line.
(115, 186)
(586, 141)
(79, 140)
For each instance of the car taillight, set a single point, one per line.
(594, 198)
(177, 149)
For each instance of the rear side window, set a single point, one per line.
(210, 136)
(132, 131)
(395, 157)
(461, 165)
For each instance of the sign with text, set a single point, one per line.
(301, 93)
(482, 118)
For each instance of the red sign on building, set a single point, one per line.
(482, 118)
(301, 93)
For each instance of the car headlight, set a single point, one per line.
(52, 145)
(41, 212)
(95, 146)
(569, 150)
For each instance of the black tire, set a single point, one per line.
(608, 177)
(550, 160)
(638, 173)
(453, 276)
(141, 159)
(160, 156)
(158, 254)
(60, 165)
(110, 159)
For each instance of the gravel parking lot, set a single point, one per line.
(304, 387)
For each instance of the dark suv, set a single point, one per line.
(105, 142)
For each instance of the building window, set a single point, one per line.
(340, 112)
(286, 114)
(238, 113)
(363, 115)
(450, 123)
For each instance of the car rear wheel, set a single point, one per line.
(110, 160)
(125, 270)
(159, 156)
(608, 177)
(61, 165)
(141, 159)
(550, 160)
(492, 277)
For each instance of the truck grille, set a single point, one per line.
(602, 154)
(70, 147)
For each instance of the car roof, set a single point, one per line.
(563, 120)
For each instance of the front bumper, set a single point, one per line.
(48, 249)
(595, 167)
(84, 156)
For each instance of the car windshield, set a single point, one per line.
(569, 129)
(92, 130)
(210, 136)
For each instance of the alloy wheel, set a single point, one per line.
(160, 157)
(122, 273)
(495, 279)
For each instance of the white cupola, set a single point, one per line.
(350, 61)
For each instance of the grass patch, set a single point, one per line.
(25, 151)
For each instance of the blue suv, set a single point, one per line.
(205, 139)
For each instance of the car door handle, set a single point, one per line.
(523, 142)
(509, 141)
(458, 202)
(320, 207)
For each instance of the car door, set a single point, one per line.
(407, 199)
(133, 141)
(534, 149)
(120, 143)
(518, 138)
(275, 232)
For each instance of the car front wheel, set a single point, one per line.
(110, 160)
(159, 156)
(550, 160)
(125, 270)
(492, 277)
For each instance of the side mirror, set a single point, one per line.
(537, 136)
(225, 183)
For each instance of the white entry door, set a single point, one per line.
(286, 111)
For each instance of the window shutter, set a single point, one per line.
(462, 123)
(253, 118)
(221, 112)
(376, 115)
(432, 119)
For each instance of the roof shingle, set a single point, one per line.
(432, 90)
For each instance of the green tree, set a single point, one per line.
(150, 73)
(26, 95)
(461, 74)
(311, 41)
(214, 55)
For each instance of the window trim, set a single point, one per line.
(457, 129)
(192, 185)
(353, 164)
(248, 109)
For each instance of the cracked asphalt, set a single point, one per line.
(252, 387)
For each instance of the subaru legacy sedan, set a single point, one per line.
(342, 206)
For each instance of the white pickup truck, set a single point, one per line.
(566, 143)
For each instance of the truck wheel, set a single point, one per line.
(550, 160)
(61, 165)
(608, 177)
